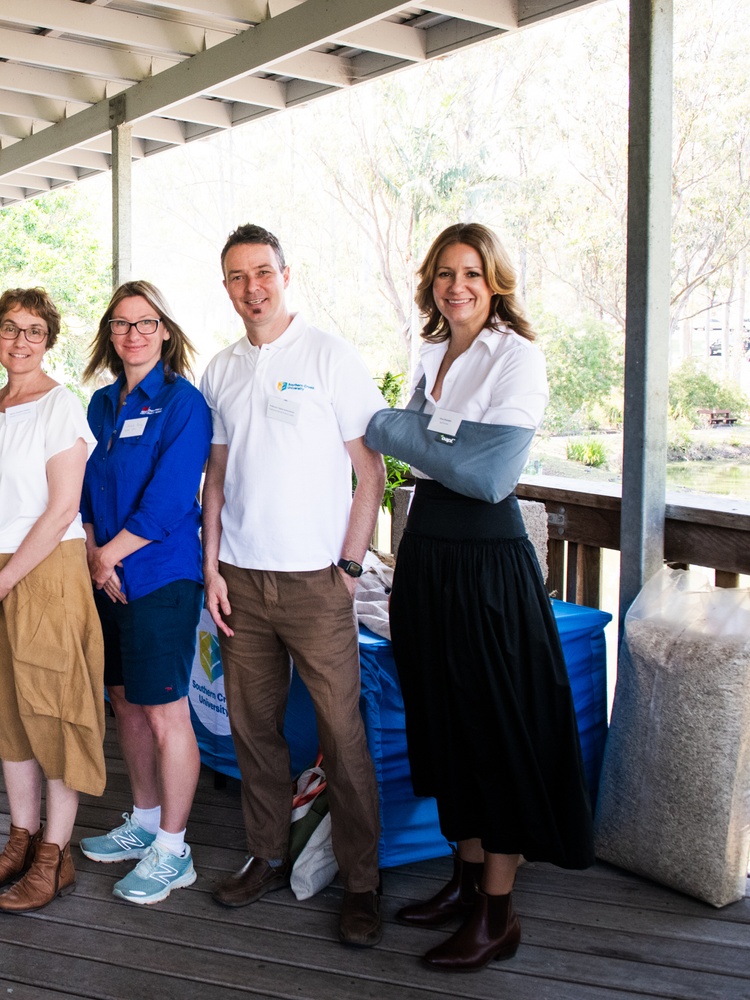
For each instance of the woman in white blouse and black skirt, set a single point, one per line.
(490, 719)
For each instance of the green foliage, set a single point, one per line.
(51, 242)
(691, 388)
(589, 451)
(679, 439)
(391, 386)
(396, 472)
(585, 372)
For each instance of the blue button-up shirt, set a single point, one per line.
(144, 476)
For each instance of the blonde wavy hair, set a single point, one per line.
(506, 306)
(177, 353)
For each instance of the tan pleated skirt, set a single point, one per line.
(51, 671)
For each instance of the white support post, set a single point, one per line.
(122, 204)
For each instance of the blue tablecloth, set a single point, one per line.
(410, 830)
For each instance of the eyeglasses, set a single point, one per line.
(34, 334)
(119, 327)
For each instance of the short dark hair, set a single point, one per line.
(36, 301)
(250, 233)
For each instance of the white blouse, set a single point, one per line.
(500, 379)
(31, 434)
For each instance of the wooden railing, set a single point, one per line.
(584, 518)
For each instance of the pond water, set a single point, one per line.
(722, 478)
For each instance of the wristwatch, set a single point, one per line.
(350, 567)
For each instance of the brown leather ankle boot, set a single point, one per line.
(51, 874)
(456, 898)
(18, 853)
(491, 932)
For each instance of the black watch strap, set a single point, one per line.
(351, 567)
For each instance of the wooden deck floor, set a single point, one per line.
(596, 935)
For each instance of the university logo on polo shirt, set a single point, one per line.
(298, 386)
(146, 411)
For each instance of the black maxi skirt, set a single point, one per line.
(490, 722)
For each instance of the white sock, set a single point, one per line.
(147, 819)
(172, 842)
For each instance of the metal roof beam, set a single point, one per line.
(233, 10)
(253, 90)
(78, 57)
(389, 39)
(118, 27)
(256, 49)
(502, 14)
(56, 85)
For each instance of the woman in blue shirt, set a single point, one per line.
(141, 519)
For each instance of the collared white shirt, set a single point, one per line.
(286, 410)
(500, 379)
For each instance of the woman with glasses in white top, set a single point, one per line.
(51, 654)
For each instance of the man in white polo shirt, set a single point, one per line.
(283, 544)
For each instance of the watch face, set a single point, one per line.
(351, 567)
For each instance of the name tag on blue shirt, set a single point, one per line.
(134, 428)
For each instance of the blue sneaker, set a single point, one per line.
(124, 842)
(155, 876)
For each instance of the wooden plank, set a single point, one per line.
(707, 545)
(19, 991)
(556, 567)
(585, 934)
(588, 588)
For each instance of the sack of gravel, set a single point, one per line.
(674, 794)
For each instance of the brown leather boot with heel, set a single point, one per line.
(456, 898)
(51, 874)
(492, 932)
(18, 853)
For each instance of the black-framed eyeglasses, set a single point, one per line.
(119, 327)
(34, 334)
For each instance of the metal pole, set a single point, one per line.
(122, 206)
(647, 301)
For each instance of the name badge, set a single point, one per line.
(19, 414)
(134, 428)
(286, 410)
(445, 422)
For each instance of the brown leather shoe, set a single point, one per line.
(360, 922)
(51, 874)
(253, 880)
(492, 932)
(456, 898)
(18, 853)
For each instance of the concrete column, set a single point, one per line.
(122, 206)
(647, 303)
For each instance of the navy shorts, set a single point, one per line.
(149, 643)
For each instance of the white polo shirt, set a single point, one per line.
(285, 410)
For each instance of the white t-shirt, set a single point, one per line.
(285, 410)
(31, 434)
(500, 379)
